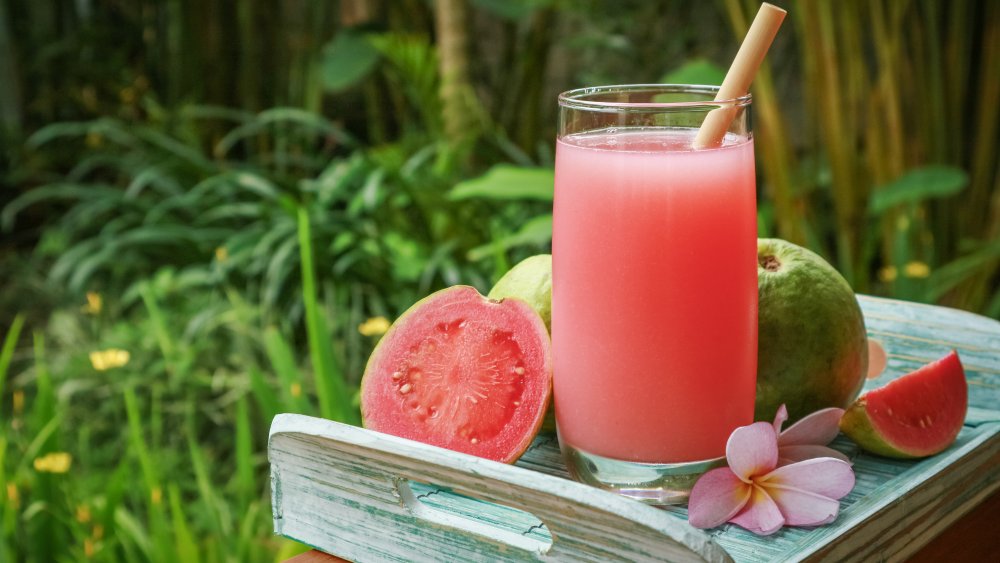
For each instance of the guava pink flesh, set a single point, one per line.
(461, 372)
(921, 412)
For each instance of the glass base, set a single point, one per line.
(658, 484)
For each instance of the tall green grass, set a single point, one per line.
(148, 477)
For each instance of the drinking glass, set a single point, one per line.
(654, 300)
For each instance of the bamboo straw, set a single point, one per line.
(737, 82)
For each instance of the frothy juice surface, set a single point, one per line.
(654, 314)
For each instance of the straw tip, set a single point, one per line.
(772, 8)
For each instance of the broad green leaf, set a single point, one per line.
(947, 277)
(105, 127)
(537, 231)
(695, 71)
(309, 121)
(78, 192)
(153, 176)
(172, 145)
(244, 212)
(257, 184)
(918, 185)
(506, 182)
(347, 59)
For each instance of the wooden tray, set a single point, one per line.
(367, 496)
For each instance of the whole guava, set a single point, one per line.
(812, 347)
(530, 281)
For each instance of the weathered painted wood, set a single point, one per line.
(347, 491)
(371, 497)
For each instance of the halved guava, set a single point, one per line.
(916, 415)
(463, 372)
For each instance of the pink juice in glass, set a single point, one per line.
(654, 322)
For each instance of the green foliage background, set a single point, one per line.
(245, 183)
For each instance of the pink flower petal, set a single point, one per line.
(802, 508)
(819, 428)
(760, 515)
(752, 450)
(716, 497)
(792, 454)
(824, 476)
(779, 418)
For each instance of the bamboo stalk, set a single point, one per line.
(774, 148)
(532, 81)
(450, 20)
(987, 119)
(833, 134)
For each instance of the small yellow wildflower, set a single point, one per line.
(917, 269)
(296, 390)
(12, 496)
(375, 326)
(94, 303)
(55, 462)
(83, 514)
(103, 360)
(221, 254)
(94, 140)
(18, 402)
(88, 547)
(98, 531)
(887, 273)
(156, 496)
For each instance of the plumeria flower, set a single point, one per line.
(808, 438)
(758, 494)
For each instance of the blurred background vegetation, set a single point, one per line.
(209, 207)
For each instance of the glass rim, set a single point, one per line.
(576, 98)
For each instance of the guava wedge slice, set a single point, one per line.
(916, 415)
(463, 372)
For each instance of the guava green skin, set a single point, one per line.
(530, 280)
(812, 346)
(858, 427)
